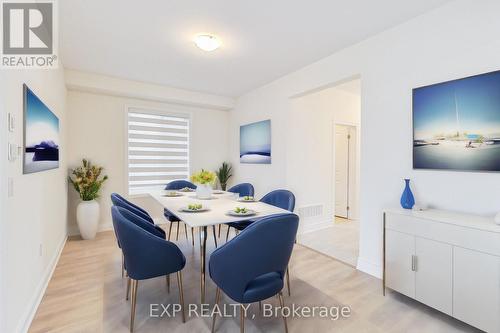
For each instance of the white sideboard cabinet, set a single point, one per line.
(448, 261)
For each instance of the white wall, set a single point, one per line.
(310, 149)
(97, 130)
(36, 215)
(453, 41)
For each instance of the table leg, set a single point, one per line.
(203, 253)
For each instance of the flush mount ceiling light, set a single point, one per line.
(207, 42)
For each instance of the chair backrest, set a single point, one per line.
(283, 199)
(120, 201)
(146, 255)
(141, 222)
(264, 247)
(243, 189)
(179, 184)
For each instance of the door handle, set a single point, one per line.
(414, 263)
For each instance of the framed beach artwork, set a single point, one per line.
(41, 135)
(255, 143)
(456, 124)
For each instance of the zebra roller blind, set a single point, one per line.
(158, 149)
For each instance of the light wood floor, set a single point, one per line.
(340, 240)
(87, 294)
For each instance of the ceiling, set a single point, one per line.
(151, 40)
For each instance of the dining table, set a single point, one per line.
(216, 210)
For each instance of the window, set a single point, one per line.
(158, 149)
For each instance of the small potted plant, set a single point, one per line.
(204, 181)
(87, 181)
(223, 174)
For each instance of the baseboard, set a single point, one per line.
(24, 325)
(369, 267)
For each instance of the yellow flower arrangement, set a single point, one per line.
(204, 177)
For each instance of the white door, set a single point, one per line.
(434, 274)
(342, 171)
(399, 267)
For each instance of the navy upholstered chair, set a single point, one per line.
(120, 201)
(251, 267)
(146, 255)
(283, 199)
(174, 186)
(243, 189)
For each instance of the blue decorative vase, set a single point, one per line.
(407, 199)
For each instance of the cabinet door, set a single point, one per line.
(434, 274)
(399, 249)
(476, 291)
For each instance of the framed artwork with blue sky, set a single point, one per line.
(255, 143)
(456, 124)
(41, 135)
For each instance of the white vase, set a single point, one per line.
(87, 217)
(204, 191)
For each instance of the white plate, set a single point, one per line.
(217, 192)
(242, 199)
(249, 212)
(187, 210)
(172, 194)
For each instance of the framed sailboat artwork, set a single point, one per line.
(456, 124)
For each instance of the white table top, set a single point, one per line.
(218, 208)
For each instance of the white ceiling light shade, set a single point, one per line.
(207, 42)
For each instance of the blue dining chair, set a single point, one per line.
(146, 255)
(251, 267)
(120, 201)
(283, 199)
(243, 189)
(176, 185)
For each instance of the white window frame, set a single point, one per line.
(170, 112)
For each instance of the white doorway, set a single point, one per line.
(323, 168)
(344, 169)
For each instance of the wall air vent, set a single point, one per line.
(310, 211)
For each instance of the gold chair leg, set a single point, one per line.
(288, 280)
(178, 227)
(170, 231)
(127, 295)
(168, 283)
(220, 227)
(134, 300)
(282, 305)
(217, 299)
(181, 295)
(242, 319)
(227, 234)
(192, 234)
(186, 231)
(123, 265)
(215, 235)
